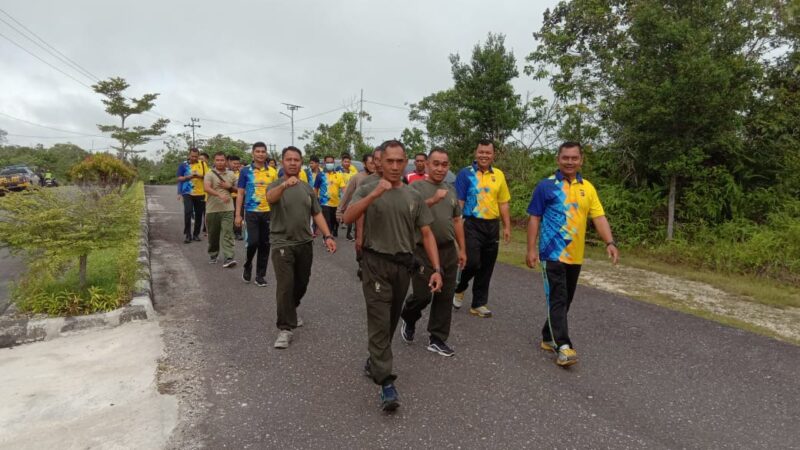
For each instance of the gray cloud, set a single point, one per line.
(237, 61)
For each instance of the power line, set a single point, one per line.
(42, 60)
(47, 126)
(52, 50)
(57, 137)
(387, 105)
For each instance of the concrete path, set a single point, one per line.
(647, 378)
(93, 390)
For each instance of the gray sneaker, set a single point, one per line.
(284, 338)
(300, 322)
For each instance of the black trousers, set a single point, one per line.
(257, 241)
(193, 205)
(482, 246)
(441, 302)
(329, 213)
(292, 265)
(562, 280)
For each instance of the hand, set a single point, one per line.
(291, 181)
(331, 244)
(225, 185)
(435, 282)
(440, 195)
(506, 235)
(225, 199)
(532, 259)
(613, 253)
(382, 186)
(238, 221)
(339, 215)
(462, 259)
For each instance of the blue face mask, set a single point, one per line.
(329, 167)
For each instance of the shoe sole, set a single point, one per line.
(261, 284)
(568, 363)
(245, 280)
(546, 347)
(478, 314)
(403, 334)
(390, 406)
(281, 347)
(230, 264)
(434, 350)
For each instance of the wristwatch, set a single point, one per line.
(611, 243)
(325, 238)
(438, 270)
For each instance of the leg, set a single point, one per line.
(349, 235)
(555, 328)
(472, 238)
(303, 258)
(252, 239)
(284, 265)
(573, 271)
(483, 276)
(214, 229)
(420, 295)
(188, 209)
(199, 212)
(441, 308)
(262, 259)
(226, 236)
(378, 295)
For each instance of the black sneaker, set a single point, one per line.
(261, 282)
(368, 369)
(212, 260)
(407, 331)
(389, 399)
(187, 239)
(246, 275)
(440, 347)
(229, 262)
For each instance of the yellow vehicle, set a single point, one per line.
(17, 178)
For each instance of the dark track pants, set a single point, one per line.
(329, 213)
(441, 306)
(292, 265)
(257, 242)
(385, 285)
(482, 247)
(193, 205)
(563, 279)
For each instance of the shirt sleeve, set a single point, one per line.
(318, 181)
(315, 207)
(462, 185)
(595, 207)
(181, 170)
(538, 201)
(209, 177)
(503, 195)
(424, 216)
(242, 183)
(457, 212)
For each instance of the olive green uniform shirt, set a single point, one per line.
(289, 224)
(213, 203)
(391, 221)
(443, 212)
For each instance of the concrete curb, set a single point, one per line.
(16, 329)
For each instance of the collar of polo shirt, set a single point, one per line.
(476, 168)
(560, 177)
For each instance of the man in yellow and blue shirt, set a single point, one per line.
(190, 188)
(559, 211)
(483, 194)
(348, 171)
(252, 196)
(331, 184)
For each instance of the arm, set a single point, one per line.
(505, 214)
(436, 198)
(532, 258)
(429, 242)
(239, 202)
(604, 230)
(322, 225)
(458, 225)
(358, 208)
(210, 191)
(274, 194)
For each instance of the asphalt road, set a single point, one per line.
(647, 378)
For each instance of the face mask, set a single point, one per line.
(329, 167)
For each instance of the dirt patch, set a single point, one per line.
(685, 294)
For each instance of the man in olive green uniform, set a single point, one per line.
(292, 203)
(449, 231)
(218, 184)
(392, 213)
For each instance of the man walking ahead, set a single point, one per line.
(448, 230)
(559, 209)
(190, 186)
(253, 182)
(218, 183)
(483, 194)
(393, 212)
(292, 203)
(331, 186)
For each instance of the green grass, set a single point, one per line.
(765, 291)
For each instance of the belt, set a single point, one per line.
(476, 219)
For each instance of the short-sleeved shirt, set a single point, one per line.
(304, 175)
(289, 221)
(443, 212)
(391, 221)
(564, 208)
(235, 174)
(213, 203)
(331, 184)
(254, 181)
(414, 176)
(482, 192)
(192, 186)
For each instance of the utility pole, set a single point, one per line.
(361, 114)
(292, 108)
(195, 124)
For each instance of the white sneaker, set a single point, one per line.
(299, 321)
(458, 300)
(284, 338)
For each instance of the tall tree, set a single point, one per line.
(337, 138)
(129, 137)
(414, 140)
(482, 103)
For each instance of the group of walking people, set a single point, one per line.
(410, 230)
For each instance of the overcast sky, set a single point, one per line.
(237, 61)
